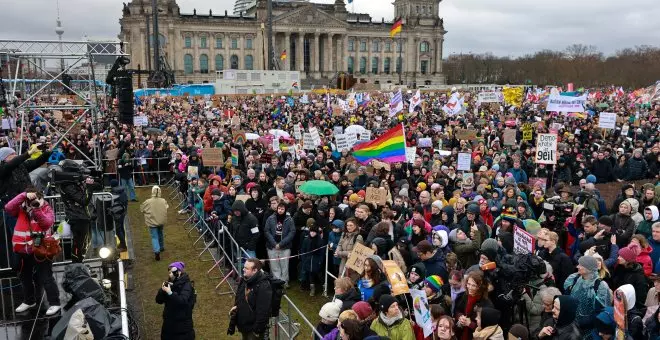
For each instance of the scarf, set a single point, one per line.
(389, 321)
(471, 302)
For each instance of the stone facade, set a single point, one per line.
(320, 40)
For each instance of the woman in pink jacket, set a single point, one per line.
(34, 217)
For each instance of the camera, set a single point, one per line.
(70, 171)
(558, 208)
(37, 238)
(167, 283)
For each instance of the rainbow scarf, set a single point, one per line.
(389, 147)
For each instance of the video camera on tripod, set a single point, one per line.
(560, 209)
(71, 172)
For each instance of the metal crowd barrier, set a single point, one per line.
(228, 261)
(147, 177)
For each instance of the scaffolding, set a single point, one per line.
(48, 61)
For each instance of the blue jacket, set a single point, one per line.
(436, 266)
(333, 239)
(312, 258)
(288, 232)
(518, 174)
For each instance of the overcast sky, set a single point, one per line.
(503, 27)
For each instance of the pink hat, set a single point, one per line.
(363, 309)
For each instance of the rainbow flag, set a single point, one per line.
(396, 28)
(389, 147)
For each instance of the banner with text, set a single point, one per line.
(561, 103)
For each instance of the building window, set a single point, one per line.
(363, 65)
(234, 43)
(424, 46)
(204, 63)
(374, 65)
(219, 62)
(424, 67)
(398, 65)
(187, 42)
(248, 43)
(234, 62)
(202, 42)
(375, 46)
(398, 47)
(218, 42)
(386, 65)
(188, 64)
(417, 11)
(363, 46)
(249, 62)
(388, 46)
(351, 65)
(351, 45)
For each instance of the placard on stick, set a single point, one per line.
(376, 196)
(213, 157)
(359, 254)
(396, 278)
(466, 134)
(523, 242)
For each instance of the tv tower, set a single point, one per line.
(59, 30)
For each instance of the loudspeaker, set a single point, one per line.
(125, 99)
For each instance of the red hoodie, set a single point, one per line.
(644, 259)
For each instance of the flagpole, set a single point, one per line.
(400, 55)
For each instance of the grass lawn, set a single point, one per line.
(211, 311)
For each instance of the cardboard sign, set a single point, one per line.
(425, 142)
(308, 141)
(396, 278)
(193, 171)
(546, 149)
(359, 254)
(466, 134)
(411, 154)
(380, 165)
(239, 137)
(235, 121)
(464, 162)
(527, 132)
(213, 157)
(243, 198)
(140, 120)
(57, 115)
(509, 137)
(376, 196)
(234, 156)
(523, 242)
(607, 120)
(422, 311)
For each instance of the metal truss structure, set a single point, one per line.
(44, 62)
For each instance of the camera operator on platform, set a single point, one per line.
(76, 190)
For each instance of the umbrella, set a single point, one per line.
(356, 129)
(279, 133)
(319, 188)
(603, 106)
(251, 136)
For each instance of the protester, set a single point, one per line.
(253, 301)
(179, 297)
(155, 217)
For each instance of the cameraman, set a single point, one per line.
(77, 197)
(34, 222)
(178, 296)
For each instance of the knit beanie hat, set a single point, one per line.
(385, 301)
(363, 309)
(6, 152)
(489, 248)
(489, 317)
(629, 253)
(338, 224)
(178, 265)
(354, 198)
(437, 204)
(378, 261)
(606, 220)
(419, 268)
(330, 311)
(591, 179)
(433, 282)
(589, 263)
(519, 332)
(509, 214)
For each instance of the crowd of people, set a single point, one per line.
(452, 232)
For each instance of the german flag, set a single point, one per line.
(396, 28)
(283, 55)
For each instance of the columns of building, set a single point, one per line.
(143, 55)
(438, 63)
(316, 60)
(195, 44)
(344, 56)
(287, 48)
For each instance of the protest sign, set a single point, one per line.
(527, 132)
(620, 313)
(337, 130)
(422, 311)
(276, 144)
(468, 178)
(523, 242)
(357, 257)
(140, 120)
(8, 123)
(546, 149)
(607, 120)
(210, 115)
(297, 134)
(464, 162)
(380, 165)
(490, 97)
(411, 154)
(624, 130)
(466, 134)
(509, 136)
(396, 278)
(341, 141)
(235, 121)
(365, 135)
(234, 157)
(308, 141)
(314, 132)
(243, 198)
(265, 158)
(426, 142)
(376, 196)
(213, 157)
(561, 103)
(193, 171)
(57, 115)
(239, 137)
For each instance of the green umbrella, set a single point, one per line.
(603, 106)
(319, 188)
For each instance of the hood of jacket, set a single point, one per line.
(239, 206)
(634, 204)
(155, 191)
(629, 292)
(654, 212)
(567, 308)
(449, 210)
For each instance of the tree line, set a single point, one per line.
(582, 65)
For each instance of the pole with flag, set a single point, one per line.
(396, 29)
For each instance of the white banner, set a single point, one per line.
(546, 149)
(343, 143)
(464, 161)
(490, 97)
(561, 103)
(422, 311)
(365, 135)
(454, 106)
(426, 142)
(140, 120)
(523, 242)
(308, 141)
(607, 120)
(297, 134)
(315, 135)
(411, 154)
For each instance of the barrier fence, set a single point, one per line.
(213, 240)
(146, 171)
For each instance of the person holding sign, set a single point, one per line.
(348, 240)
(467, 303)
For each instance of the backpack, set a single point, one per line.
(116, 210)
(575, 280)
(278, 291)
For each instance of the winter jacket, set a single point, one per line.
(435, 265)
(518, 174)
(333, 242)
(285, 236)
(253, 304)
(222, 208)
(349, 298)
(178, 311)
(122, 196)
(623, 228)
(155, 209)
(39, 219)
(345, 247)
(366, 226)
(312, 258)
(644, 227)
(588, 299)
(565, 326)
(637, 169)
(536, 309)
(15, 174)
(603, 171)
(562, 266)
(245, 227)
(77, 200)
(400, 329)
(633, 275)
(460, 308)
(466, 251)
(644, 259)
(489, 333)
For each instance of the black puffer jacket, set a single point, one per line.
(637, 169)
(633, 275)
(245, 228)
(77, 199)
(177, 314)
(15, 174)
(253, 304)
(349, 298)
